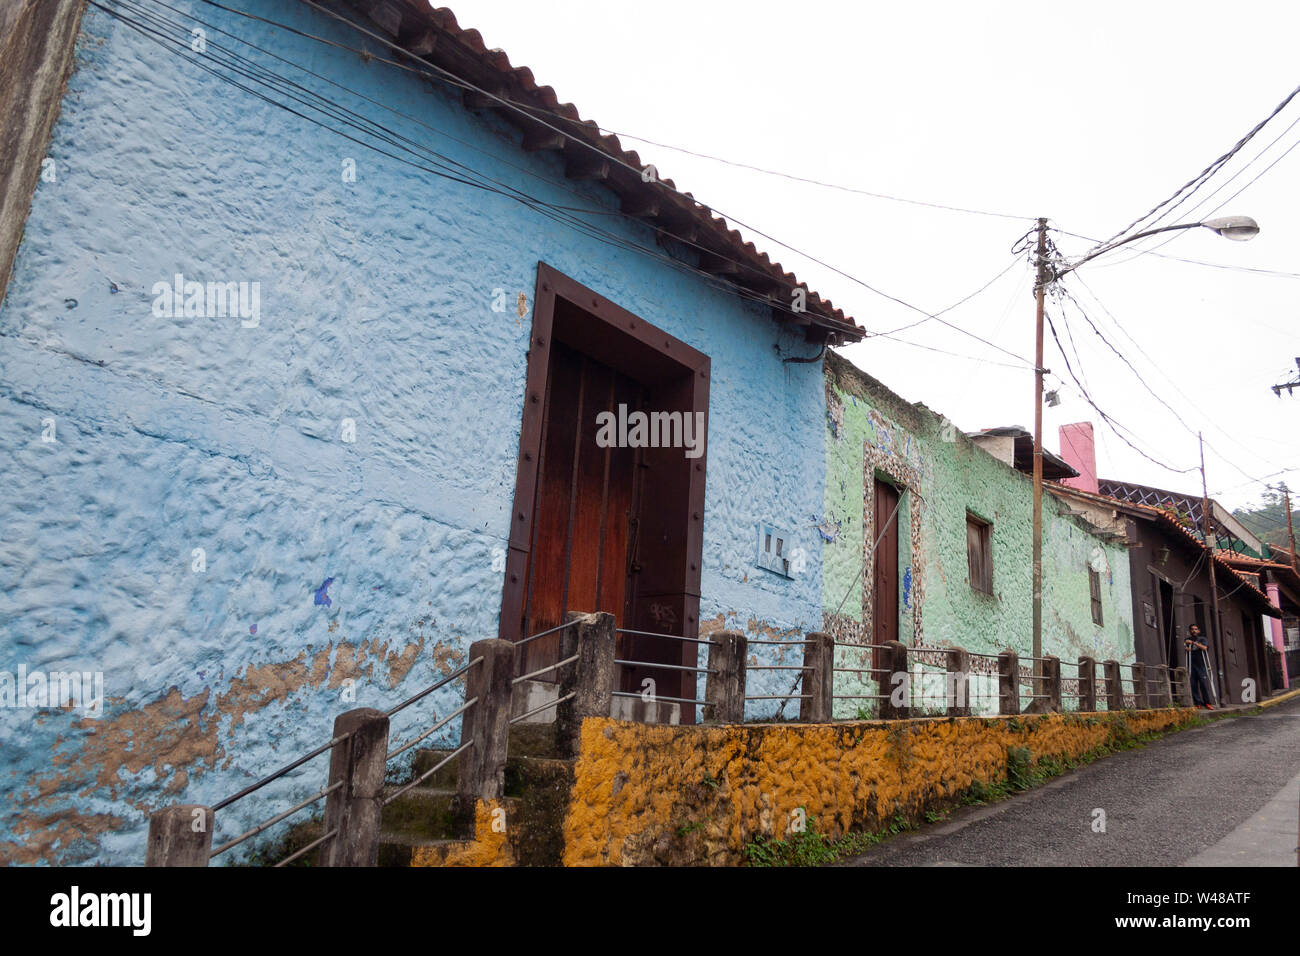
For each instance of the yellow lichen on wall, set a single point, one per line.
(489, 846)
(654, 794)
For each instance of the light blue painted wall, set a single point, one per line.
(176, 434)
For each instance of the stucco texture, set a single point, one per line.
(646, 795)
(176, 434)
(870, 432)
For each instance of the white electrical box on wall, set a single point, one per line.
(774, 550)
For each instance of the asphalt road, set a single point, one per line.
(1227, 793)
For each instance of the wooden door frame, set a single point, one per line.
(628, 344)
(894, 529)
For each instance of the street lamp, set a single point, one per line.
(1237, 228)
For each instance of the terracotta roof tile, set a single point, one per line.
(415, 17)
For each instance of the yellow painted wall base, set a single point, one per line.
(489, 846)
(649, 794)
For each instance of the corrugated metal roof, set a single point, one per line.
(433, 36)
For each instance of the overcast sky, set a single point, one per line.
(1088, 114)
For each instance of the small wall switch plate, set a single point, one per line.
(774, 550)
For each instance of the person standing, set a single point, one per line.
(1198, 667)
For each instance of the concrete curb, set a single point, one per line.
(1274, 701)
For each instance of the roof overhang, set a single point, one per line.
(487, 81)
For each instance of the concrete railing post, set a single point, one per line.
(818, 678)
(957, 687)
(354, 808)
(1114, 685)
(724, 686)
(1183, 685)
(481, 770)
(1051, 684)
(896, 683)
(180, 836)
(1169, 687)
(1140, 686)
(590, 679)
(1087, 684)
(1008, 683)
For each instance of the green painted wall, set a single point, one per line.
(871, 430)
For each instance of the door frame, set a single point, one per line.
(630, 345)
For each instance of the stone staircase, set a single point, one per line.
(426, 826)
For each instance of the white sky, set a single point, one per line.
(1088, 114)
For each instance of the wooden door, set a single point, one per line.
(884, 589)
(584, 493)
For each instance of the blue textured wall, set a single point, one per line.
(176, 434)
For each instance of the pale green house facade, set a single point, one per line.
(944, 482)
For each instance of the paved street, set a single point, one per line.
(1226, 794)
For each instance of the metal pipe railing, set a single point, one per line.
(458, 672)
(674, 637)
(274, 820)
(430, 772)
(428, 733)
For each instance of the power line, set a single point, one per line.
(782, 175)
(270, 79)
(465, 85)
(621, 162)
(1115, 426)
(1198, 180)
(1204, 416)
(1176, 235)
(962, 301)
(1196, 262)
(449, 169)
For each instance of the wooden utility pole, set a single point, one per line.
(1040, 289)
(1216, 633)
(1290, 530)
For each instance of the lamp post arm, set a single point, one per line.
(1115, 245)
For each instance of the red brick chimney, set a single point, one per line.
(1079, 451)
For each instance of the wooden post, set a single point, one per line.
(1051, 684)
(590, 678)
(1183, 685)
(1140, 686)
(958, 682)
(354, 809)
(1166, 697)
(818, 679)
(1114, 685)
(481, 772)
(724, 687)
(180, 835)
(1042, 279)
(1008, 682)
(1087, 684)
(896, 685)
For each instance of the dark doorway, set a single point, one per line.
(884, 588)
(617, 528)
(1169, 642)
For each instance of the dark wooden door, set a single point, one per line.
(579, 551)
(884, 589)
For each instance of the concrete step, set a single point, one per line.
(533, 740)
(397, 849)
(540, 788)
(424, 812)
(532, 694)
(444, 779)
